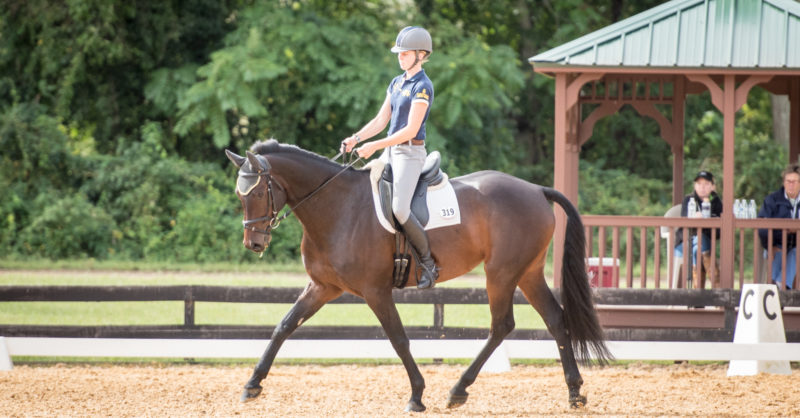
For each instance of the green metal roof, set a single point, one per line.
(691, 33)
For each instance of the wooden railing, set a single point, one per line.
(641, 250)
(626, 314)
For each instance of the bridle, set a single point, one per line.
(274, 222)
(272, 211)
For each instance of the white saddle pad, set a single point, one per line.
(442, 201)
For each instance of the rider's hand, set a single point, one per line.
(365, 151)
(349, 142)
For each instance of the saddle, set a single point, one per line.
(431, 175)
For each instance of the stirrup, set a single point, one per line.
(425, 284)
(430, 274)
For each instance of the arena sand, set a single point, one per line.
(368, 390)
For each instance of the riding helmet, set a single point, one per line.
(413, 38)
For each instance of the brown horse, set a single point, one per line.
(506, 223)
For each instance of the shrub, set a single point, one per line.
(205, 229)
(69, 227)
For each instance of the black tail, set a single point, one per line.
(580, 316)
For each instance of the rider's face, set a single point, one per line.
(406, 59)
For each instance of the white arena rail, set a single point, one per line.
(382, 349)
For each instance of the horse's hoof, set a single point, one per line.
(577, 401)
(414, 406)
(457, 399)
(250, 393)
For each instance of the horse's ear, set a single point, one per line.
(260, 164)
(236, 159)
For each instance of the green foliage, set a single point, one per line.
(301, 92)
(205, 228)
(35, 150)
(88, 60)
(13, 213)
(618, 192)
(292, 72)
(67, 227)
(35, 162)
(144, 188)
(475, 88)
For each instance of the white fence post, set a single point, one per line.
(5, 358)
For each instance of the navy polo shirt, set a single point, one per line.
(403, 93)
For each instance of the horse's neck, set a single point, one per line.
(309, 185)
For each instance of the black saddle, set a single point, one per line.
(431, 175)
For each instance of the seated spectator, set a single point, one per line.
(782, 204)
(704, 190)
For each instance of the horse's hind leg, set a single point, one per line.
(310, 301)
(501, 295)
(539, 295)
(381, 303)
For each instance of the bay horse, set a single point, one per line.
(506, 222)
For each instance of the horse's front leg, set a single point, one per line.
(308, 303)
(384, 308)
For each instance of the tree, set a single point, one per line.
(309, 75)
(87, 61)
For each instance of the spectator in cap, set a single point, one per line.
(783, 204)
(704, 190)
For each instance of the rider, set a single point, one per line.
(407, 104)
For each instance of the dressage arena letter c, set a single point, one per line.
(770, 315)
(773, 315)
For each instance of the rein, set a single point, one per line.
(275, 221)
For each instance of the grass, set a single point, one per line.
(217, 313)
(149, 266)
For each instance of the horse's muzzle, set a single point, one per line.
(257, 244)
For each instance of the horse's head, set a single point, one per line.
(261, 198)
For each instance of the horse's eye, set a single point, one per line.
(260, 195)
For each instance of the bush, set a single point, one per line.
(69, 227)
(619, 192)
(205, 229)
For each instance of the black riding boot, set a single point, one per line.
(416, 235)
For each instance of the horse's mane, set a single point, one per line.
(272, 146)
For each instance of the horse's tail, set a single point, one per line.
(580, 316)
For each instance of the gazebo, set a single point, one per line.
(660, 56)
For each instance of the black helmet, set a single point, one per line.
(413, 38)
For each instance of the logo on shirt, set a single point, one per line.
(423, 94)
(406, 93)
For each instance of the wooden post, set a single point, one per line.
(727, 250)
(794, 118)
(678, 105)
(438, 316)
(560, 168)
(188, 308)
